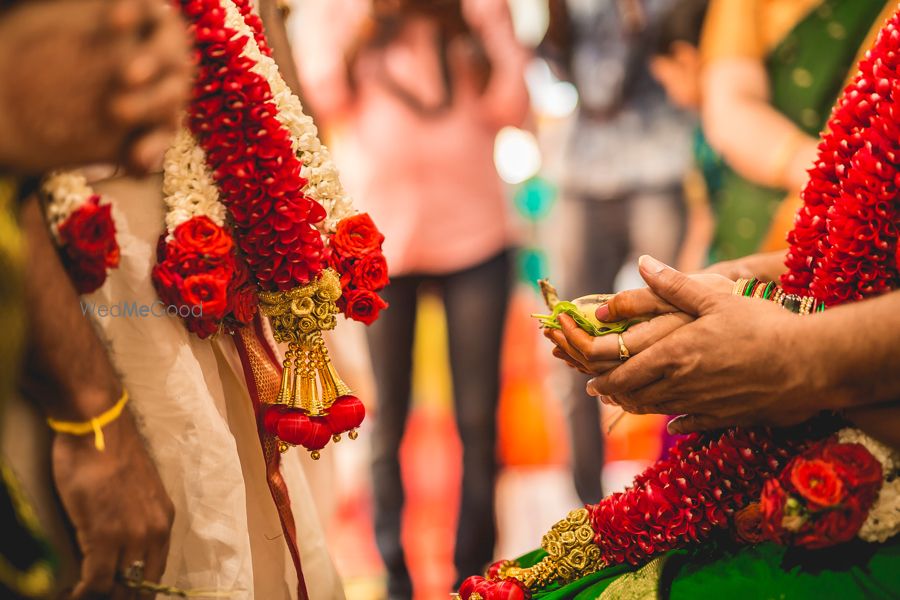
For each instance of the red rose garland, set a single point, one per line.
(82, 228)
(844, 243)
(684, 497)
(681, 499)
(273, 256)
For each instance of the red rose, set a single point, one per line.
(833, 527)
(89, 238)
(202, 328)
(364, 306)
(748, 524)
(86, 276)
(817, 481)
(202, 236)
(357, 236)
(168, 283)
(208, 292)
(245, 304)
(854, 464)
(370, 272)
(90, 232)
(771, 504)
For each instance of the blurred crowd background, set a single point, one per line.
(497, 143)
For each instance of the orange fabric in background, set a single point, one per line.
(530, 424)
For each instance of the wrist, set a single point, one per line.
(94, 426)
(84, 404)
(821, 347)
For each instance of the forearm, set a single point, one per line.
(881, 422)
(754, 138)
(505, 99)
(856, 352)
(68, 371)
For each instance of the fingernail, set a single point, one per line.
(602, 313)
(589, 388)
(650, 265)
(674, 426)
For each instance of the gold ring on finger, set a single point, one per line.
(624, 354)
(134, 574)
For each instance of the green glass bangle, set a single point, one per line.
(748, 289)
(768, 291)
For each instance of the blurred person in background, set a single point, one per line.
(772, 70)
(100, 81)
(421, 89)
(622, 182)
(676, 64)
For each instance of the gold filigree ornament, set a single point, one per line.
(571, 555)
(313, 404)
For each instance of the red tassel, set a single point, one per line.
(347, 413)
(293, 427)
(319, 434)
(467, 587)
(272, 413)
(510, 589)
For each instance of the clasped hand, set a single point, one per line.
(713, 359)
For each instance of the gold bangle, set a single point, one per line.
(94, 426)
(738, 288)
(806, 305)
(760, 288)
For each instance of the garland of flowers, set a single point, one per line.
(83, 229)
(766, 486)
(244, 223)
(681, 499)
(844, 243)
(215, 167)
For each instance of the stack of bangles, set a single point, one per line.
(753, 288)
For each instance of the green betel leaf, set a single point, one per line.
(582, 310)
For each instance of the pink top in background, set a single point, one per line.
(428, 181)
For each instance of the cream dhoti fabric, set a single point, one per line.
(191, 401)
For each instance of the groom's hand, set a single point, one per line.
(741, 362)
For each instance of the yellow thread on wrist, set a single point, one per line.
(94, 426)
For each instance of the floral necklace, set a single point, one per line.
(257, 221)
(810, 487)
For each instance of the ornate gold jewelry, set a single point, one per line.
(739, 285)
(624, 354)
(309, 381)
(571, 554)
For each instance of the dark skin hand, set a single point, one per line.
(115, 498)
(728, 361)
(89, 81)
